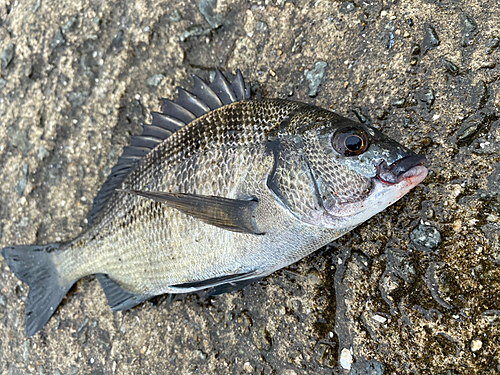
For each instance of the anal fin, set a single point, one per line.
(119, 298)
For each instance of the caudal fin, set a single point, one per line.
(34, 266)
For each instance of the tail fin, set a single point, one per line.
(34, 266)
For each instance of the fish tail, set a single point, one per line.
(34, 265)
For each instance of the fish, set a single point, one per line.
(220, 190)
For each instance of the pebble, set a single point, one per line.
(58, 40)
(450, 67)
(155, 80)
(469, 30)
(476, 345)
(426, 236)
(37, 5)
(77, 99)
(379, 318)
(315, 77)
(399, 102)
(491, 45)
(431, 39)
(427, 97)
(349, 6)
(248, 367)
(23, 181)
(381, 113)
(346, 359)
(42, 153)
(245, 323)
(23, 223)
(206, 7)
(7, 55)
(261, 27)
(390, 42)
(117, 43)
(26, 349)
(193, 31)
(202, 355)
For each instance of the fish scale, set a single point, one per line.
(246, 187)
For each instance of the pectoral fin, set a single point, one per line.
(232, 214)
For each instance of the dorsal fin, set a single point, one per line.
(222, 88)
(176, 114)
(175, 110)
(205, 93)
(191, 102)
(238, 85)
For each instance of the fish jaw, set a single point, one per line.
(382, 195)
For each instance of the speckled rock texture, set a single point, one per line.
(415, 290)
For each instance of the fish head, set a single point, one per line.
(355, 170)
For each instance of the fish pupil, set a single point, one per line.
(353, 143)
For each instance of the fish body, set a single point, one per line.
(220, 190)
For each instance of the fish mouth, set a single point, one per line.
(410, 167)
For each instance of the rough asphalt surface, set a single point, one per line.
(415, 290)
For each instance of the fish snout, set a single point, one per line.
(401, 169)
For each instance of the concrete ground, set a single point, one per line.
(415, 290)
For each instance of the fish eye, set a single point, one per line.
(350, 141)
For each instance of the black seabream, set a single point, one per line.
(220, 190)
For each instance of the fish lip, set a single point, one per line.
(401, 169)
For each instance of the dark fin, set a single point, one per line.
(213, 281)
(203, 92)
(230, 287)
(33, 265)
(144, 141)
(119, 298)
(166, 122)
(173, 109)
(232, 214)
(191, 103)
(229, 283)
(222, 88)
(176, 114)
(239, 88)
(156, 131)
